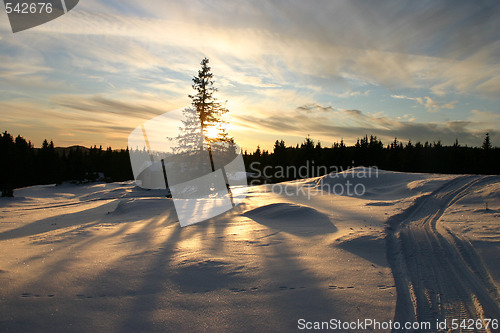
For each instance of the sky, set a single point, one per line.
(415, 70)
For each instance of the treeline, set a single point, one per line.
(426, 157)
(23, 164)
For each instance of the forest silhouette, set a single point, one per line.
(24, 165)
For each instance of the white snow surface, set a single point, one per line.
(113, 258)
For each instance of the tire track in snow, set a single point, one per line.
(438, 274)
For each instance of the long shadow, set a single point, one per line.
(52, 223)
(165, 275)
(5, 202)
(294, 290)
(368, 247)
(162, 281)
(123, 229)
(88, 218)
(158, 273)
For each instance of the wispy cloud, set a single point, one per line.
(266, 35)
(350, 93)
(99, 105)
(429, 104)
(310, 108)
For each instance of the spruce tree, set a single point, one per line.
(209, 110)
(487, 142)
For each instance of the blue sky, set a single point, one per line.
(332, 69)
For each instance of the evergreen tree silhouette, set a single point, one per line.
(210, 112)
(487, 142)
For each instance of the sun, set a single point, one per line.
(211, 132)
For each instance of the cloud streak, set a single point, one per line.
(428, 103)
(271, 37)
(98, 106)
(330, 124)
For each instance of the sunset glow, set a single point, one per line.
(343, 69)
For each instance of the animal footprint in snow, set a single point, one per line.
(241, 290)
(291, 288)
(333, 287)
(28, 295)
(237, 290)
(383, 286)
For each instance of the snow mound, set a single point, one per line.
(488, 194)
(285, 211)
(369, 246)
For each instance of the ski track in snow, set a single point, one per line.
(438, 274)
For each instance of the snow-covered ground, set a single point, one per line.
(112, 257)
